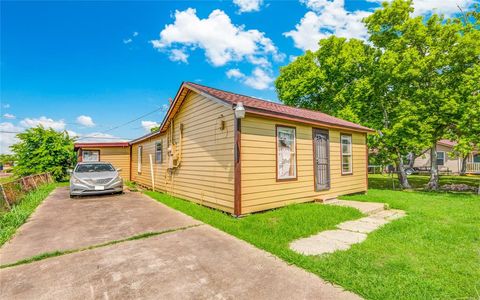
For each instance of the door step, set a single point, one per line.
(326, 199)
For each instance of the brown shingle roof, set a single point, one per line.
(277, 110)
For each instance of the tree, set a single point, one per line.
(43, 150)
(437, 56)
(401, 83)
(7, 159)
(156, 128)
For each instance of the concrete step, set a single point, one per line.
(367, 208)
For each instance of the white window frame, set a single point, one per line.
(346, 137)
(443, 158)
(293, 154)
(157, 152)
(139, 159)
(89, 151)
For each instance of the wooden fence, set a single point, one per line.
(12, 192)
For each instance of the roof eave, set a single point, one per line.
(289, 117)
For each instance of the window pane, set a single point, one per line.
(286, 156)
(476, 158)
(90, 155)
(158, 153)
(440, 158)
(346, 151)
(139, 158)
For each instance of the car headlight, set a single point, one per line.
(75, 180)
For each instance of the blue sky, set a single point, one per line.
(86, 67)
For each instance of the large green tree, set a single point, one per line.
(439, 57)
(402, 83)
(43, 150)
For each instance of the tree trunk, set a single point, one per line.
(411, 162)
(402, 176)
(433, 183)
(463, 169)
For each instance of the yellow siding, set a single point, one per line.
(206, 173)
(119, 157)
(261, 191)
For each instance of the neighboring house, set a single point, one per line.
(241, 155)
(447, 160)
(116, 153)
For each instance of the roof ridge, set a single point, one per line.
(269, 101)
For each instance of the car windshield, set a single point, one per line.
(88, 168)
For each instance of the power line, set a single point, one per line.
(131, 121)
(83, 137)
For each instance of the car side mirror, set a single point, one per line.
(119, 169)
(70, 171)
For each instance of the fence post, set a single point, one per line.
(34, 182)
(5, 197)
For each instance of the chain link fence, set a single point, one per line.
(12, 192)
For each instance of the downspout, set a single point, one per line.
(237, 206)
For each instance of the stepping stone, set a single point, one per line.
(358, 226)
(350, 232)
(317, 246)
(344, 236)
(366, 208)
(375, 221)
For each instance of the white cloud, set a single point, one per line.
(222, 41)
(135, 33)
(248, 5)
(235, 73)
(178, 55)
(147, 125)
(260, 79)
(99, 137)
(85, 121)
(329, 17)
(445, 7)
(326, 18)
(8, 116)
(6, 105)
(8, 136)
(45, 122)
(127, 41)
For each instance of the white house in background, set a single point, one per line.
(448, 160)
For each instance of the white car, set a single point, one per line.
(95, 178)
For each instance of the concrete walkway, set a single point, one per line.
(195, 263)
(349, 232)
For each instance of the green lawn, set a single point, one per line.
(11, 220)
(379, 181)
(434, 252)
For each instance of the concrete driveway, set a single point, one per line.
(193, 261)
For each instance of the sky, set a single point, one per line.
(105, 70)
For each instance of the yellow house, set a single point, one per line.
(241, 154)
(116, 153)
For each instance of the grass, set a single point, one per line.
(431, 253)
(387, 182)
(7, 179)
(11, 220)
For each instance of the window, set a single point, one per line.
(476, 158)
(346, 143)
(139, 159)
(286, 153)
(440, 158)
(158, 153)
(91, 155)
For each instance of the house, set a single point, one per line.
(448, 160)
(116, 153)
(241, 155)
